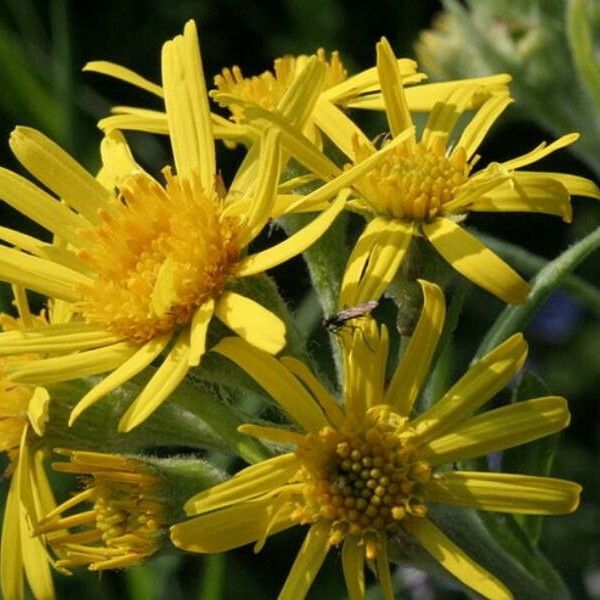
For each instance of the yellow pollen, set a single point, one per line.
(159, 253)
(413, 183)
(268, 88)
(361, 478)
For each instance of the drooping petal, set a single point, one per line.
(231, 527)
(124, 74)
(71, 366)
(252, 482)
(251, 321)
(408, 378)
(472, 259)
(292, 246)
(315, 387)
(188, 111)
(353, 563)
(124, 372)
(577, 186)
(375, 260)
(499, 429)
(307, 563)
(276, 380)
(392, 90)
(523, 193)
(167, 377)
(480, 383)
(454, 560)
(504, 492)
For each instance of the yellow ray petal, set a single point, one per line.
(505, 492)
(277, 435)
(308, 562)
(480, 383)
(117, 161)
(56, 338)
(577, 186)
(131, 119)
(269, 168)
(167, 377)
(408, 378)
(540, 152)
(383, 568)
(315, 387)
(35, 563)
(71, 366)
(444, 115)
(422, 98)
(454, 560)
(499, 429)
(40, 275)
(472, 259)
(254, 481)
(124, 372)
(40, 207)
(292, 246)
(57, 170)
(474, 133)
(523, 193)
(341, 130)
(276, 380)
(188, 112)
(11, 556)
(198, 330)
(353, 563)
(231, 527)
(118, 72)
(251, 321)
(392, 90)
(385, 245)
(367, 81)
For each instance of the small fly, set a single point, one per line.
(340, 319)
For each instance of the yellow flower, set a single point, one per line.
(361, 472)
(426, 187)
(145, 268)
(124, 525)
(22, 418)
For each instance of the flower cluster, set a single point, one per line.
(147, 276)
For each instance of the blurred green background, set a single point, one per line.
(43, 46)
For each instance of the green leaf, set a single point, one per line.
(534, 458)
(515, 318)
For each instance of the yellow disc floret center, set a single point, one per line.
(414, 182)
(158, 254)
(361, 478)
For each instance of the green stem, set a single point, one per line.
(515, 318)
(213, 577)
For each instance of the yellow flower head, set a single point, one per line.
(366, 470)
(267, 89)
(124, 525)
(424, 187)
(145, 266)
